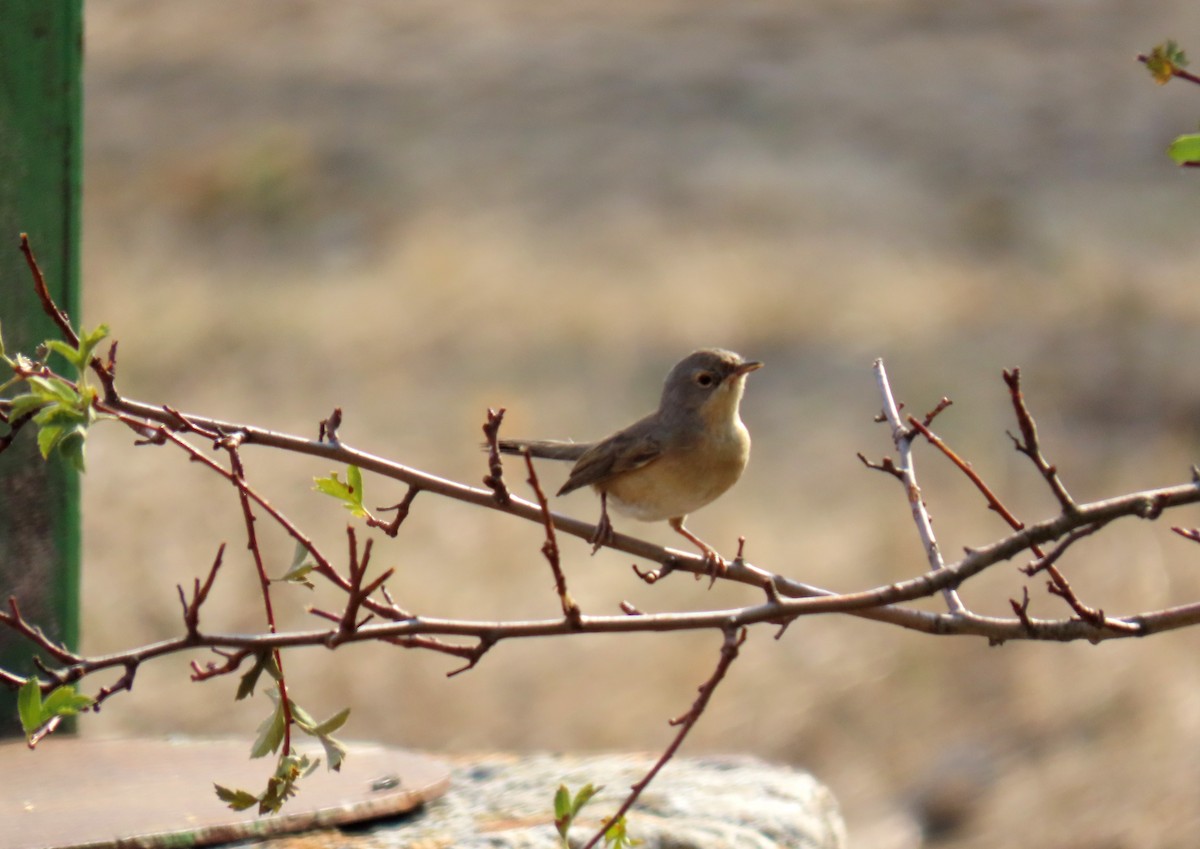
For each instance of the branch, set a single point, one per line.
(60, 318)
(905, 471)
(729, 652)
(784, 599)
(1028, 443)
(1175, 70)
(191, 610)
(494, 480)
(392, 528)
(1058, 583)
(570, 607)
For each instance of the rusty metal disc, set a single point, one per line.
(151, 794)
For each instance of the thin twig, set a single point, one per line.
(494, 479)
(231, 444)
(1176, 71)
(570, 607)
(191, 609)
(392, 528)
(1029, 445)
(51, 309)
(328, 429)
(1058, 584)
(905, 470)
(17, 622)
(734, 637)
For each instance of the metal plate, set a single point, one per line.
(149, 794)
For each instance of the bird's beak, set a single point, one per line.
(746, 368)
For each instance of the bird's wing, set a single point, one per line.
(624, 451)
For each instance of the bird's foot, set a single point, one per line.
(603, 535)
(714, 564)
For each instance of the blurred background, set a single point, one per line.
(416, 211)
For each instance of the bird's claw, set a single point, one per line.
(603, 535)
(714, 564)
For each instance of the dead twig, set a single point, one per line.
(570, 607)
(392, 528)
(734, 637)
(1029, 445)
(905, 471)
(494, 479)
(191, 609)
(328, 429)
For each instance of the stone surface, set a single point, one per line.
(505, 802)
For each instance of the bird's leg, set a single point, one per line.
(712, 559)
(604, 529)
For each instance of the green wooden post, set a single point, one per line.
(41, 58)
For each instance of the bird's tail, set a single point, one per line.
(546, 448)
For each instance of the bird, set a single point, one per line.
(671, 462)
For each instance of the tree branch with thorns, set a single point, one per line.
(62, 404)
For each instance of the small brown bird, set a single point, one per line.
(673, 461)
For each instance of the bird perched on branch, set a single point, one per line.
(672, 462)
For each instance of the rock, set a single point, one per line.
(506, 802)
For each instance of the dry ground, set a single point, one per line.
(418, 210)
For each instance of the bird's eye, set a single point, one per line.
(705, 379)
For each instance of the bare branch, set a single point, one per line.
(570, 607)
(392, 528)
(17, 622)
(363, 618)
(494, 480)
(905, 471)
(328, 430)
(732, 643)
(1028, 443)
(191, 610)
(51, 309)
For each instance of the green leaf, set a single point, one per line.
(1164, 60)
(299, 555)
(332, 486)
(29, 706)
(562, 810)
(48, 437)
(88, 343)
(56, 413)
(349, 493)
(270, 733)
(238, 800)
(617, 837)
(300, 567)
(250, 679)
(64, 701)
(282, 785)
(1185, 149)
(55, 388)
(303, 718)
(24, 404)
(271, 665)
(70, 354)
(333, 723)
(583, 797)
(335, 752)
(2, 354)
(70, 448)
(299, 575)
(35, 713)
(567, 809)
